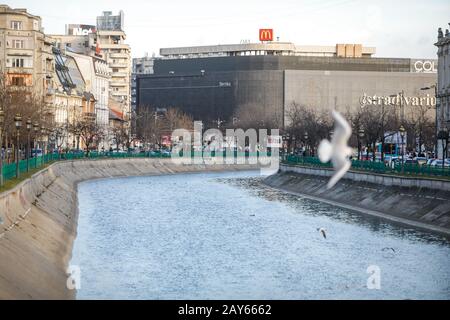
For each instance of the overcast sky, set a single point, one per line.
(396, 28)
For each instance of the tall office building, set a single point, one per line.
(110, 40)
(141, 66)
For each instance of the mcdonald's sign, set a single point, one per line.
(265, 34)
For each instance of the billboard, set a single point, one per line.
(79, 29)
(265, 34)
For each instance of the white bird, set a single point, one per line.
(337, 151)
(323, 232)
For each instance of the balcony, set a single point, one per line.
(119, 65)
(119, 74)
(119, 84)
(89, 116)
(119, 55)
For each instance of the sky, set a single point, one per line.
(400, 29)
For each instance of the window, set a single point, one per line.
(16, 25)
(18, 62)
(18, 44)
(18, 81)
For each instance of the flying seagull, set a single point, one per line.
(323, 232)
(337, 150)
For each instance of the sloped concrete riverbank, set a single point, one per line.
(420, 203)
(38, 221)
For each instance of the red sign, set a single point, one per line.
(265, 34)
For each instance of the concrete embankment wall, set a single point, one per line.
(38, 221)
(422, 203)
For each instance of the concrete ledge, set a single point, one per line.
(376, 178)
(38, 221)
(421, 204)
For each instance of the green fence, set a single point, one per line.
(9, 170)
(376, 167)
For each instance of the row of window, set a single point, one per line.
(18, 25)
(19, 62)
(15, 44)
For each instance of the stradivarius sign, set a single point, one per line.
(399, 99)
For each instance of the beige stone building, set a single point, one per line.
(26, 58)
(107, 41)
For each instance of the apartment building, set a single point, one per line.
(110, 40)
(26, 59)
(105, 41)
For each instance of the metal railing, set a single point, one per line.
(9, 170)
(376, 167)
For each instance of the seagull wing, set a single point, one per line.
(339, 174)
(341, 151)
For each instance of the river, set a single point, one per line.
(227, 236)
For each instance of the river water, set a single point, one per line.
(227, 236)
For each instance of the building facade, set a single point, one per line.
(96, 74)
(141, 66)
(26, 59)
(110, 39)
(105, 41)
(213, 83)
(443, 92)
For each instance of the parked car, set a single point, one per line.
(36, 152)
(411, 162)
(438, 163)
(421, 160)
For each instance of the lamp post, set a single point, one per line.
(402, 135)
(43, 145)
(288, 139)
(36, 129)
(294, 144)
(2, 120)
(360, 137)
(306, 143)
(18, 124)
(434, 86)
(29, 126)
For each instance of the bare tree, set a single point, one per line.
(89, 131)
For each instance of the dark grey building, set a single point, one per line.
(211, 88)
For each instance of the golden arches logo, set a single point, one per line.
(265, 34)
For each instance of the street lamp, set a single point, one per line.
(18, 124)
(29, 126)
(434, 86)
(2, 120)
(306, 143)
(43, 144)
(288, 145)
(402, 135)
(360, 137)
(36, 129)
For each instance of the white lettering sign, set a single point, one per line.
(424, 66)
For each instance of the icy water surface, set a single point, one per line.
(227, 236)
